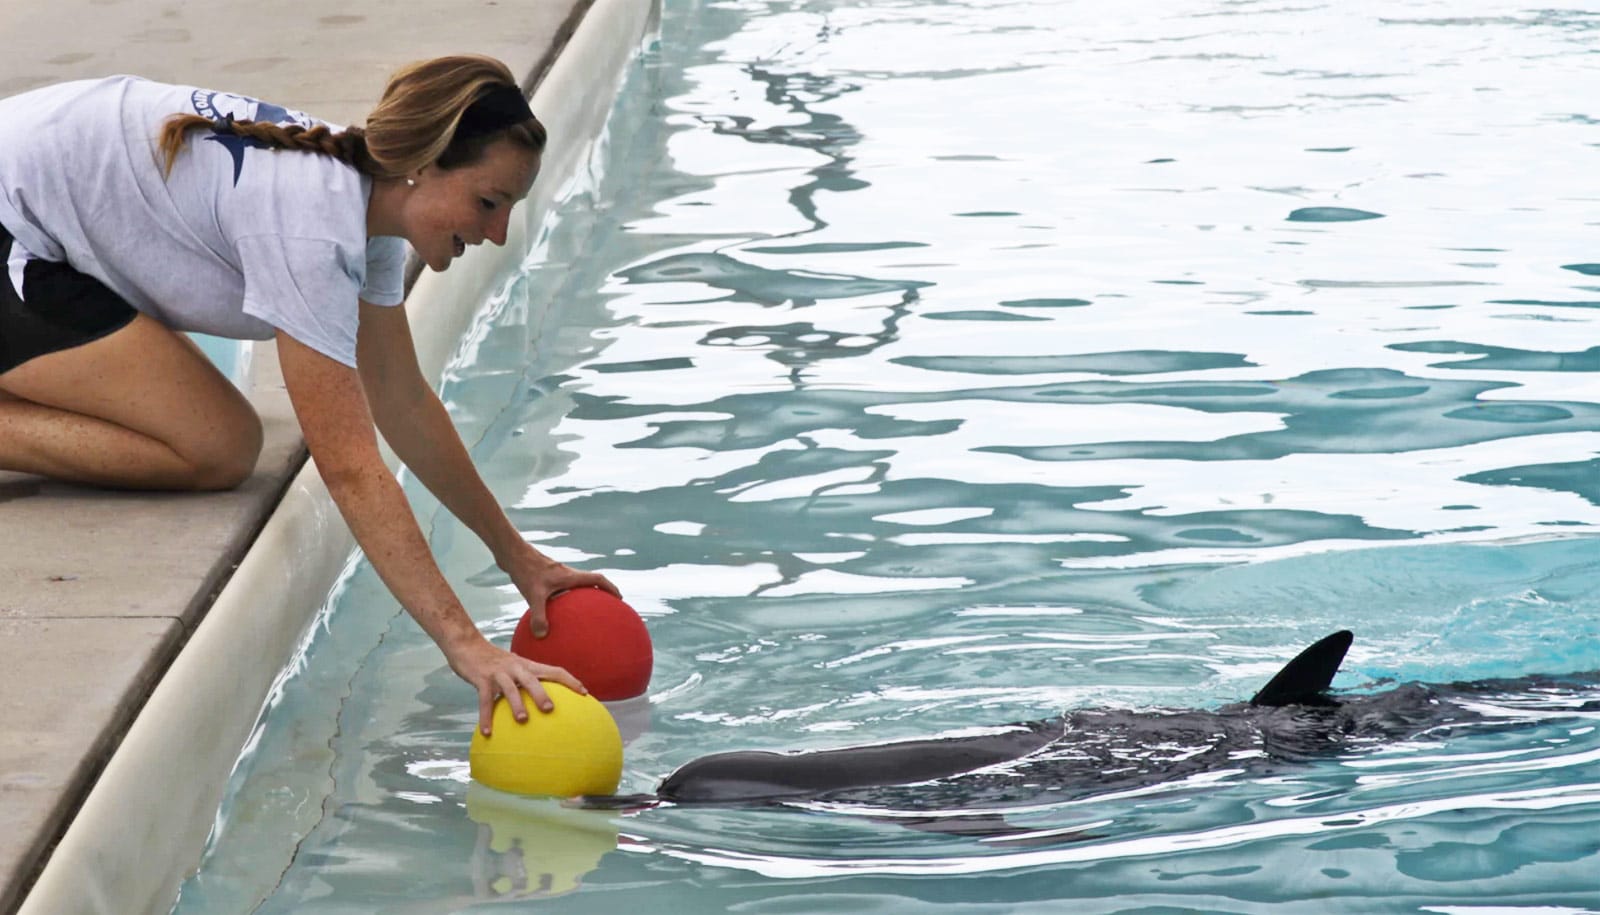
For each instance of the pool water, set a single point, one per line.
(231, 357)
(915, 367)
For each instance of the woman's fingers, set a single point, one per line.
(486, 699)
(562, 676)
(535, 691)
(489, 695)
(572, 578)
(596, 580)
(538, 618)
(517, 683)
(538, 622)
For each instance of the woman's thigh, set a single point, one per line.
(154, 381)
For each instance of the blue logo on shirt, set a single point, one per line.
(220, 105)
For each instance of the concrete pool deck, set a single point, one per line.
(100, 591)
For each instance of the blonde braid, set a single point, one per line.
(413, 125)
(348, 146)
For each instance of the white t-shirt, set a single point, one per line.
(239, 240)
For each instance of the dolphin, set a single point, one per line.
(1292, 720)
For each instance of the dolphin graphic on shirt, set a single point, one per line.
(222, 105)
(1294, 719)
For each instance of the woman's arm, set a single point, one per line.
(418, 428)
(332, 409)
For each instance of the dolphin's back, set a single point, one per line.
(1292, 719)
(1108, 749)
(756, 775)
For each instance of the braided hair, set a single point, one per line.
(416, 122)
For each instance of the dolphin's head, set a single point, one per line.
(746, 776)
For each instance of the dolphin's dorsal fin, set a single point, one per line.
(1305, 680)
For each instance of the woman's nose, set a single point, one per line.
(499, 225)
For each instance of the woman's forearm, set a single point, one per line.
(426, 441)
(380, 517)
(335, 419)
(419, 429)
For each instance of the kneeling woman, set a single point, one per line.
(132, 211)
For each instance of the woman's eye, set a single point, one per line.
(487, 203)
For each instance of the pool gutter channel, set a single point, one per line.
(145, 823)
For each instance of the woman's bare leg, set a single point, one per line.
(139, 408)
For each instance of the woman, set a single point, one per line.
(132, 211)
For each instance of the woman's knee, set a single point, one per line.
(228, 459)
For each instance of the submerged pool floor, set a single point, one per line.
(919, 367)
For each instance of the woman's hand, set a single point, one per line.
(495, 672)
(539, 577)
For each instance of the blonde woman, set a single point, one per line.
(131, 211)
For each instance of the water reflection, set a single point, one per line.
(749, 283)
(1345, 411)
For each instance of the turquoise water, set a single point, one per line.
(231, 357)
(922, 366)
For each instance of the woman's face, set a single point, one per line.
(449, 209)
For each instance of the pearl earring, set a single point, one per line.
(411, 182)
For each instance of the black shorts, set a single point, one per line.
(57, 308)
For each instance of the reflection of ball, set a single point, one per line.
(597, 638)
(536, 847)
(572, 749)
(633, 718)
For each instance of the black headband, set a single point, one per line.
(495, 110)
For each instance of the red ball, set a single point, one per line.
(597, 637)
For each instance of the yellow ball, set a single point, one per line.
(572, 749)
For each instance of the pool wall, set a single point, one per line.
(144, 826)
